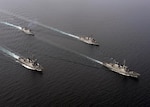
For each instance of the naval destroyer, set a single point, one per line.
(30, 64)
(89, 40)
(26, 31)
(121, 69)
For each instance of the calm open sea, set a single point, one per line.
(69, 79)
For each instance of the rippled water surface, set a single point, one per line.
(69, 77)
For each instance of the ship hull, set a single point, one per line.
(88, 42)
(27, 32)
(29, 66)
(122, 71)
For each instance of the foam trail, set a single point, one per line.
(56, 30)
(94, 60)
(62, 32)
(9, 24)
(9, 53)
(40, 24)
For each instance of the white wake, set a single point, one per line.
(12, 25)
(9, 53)
(51, 28)
(57, 30)
(94, 60)
(38, 23)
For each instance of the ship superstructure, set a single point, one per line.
(121, 69)
(30, 63)
(89, 40)
(27, 31)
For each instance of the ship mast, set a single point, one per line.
(124, 66)
(124, 62)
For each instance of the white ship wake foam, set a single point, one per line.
(12, 25)
(57, 30)
(94, 60)
(13, 55)
(38, 23)
(54, 29)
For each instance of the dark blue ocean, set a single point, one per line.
(122, 27)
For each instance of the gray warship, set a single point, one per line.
(30, 64)
(89, 40)
(26, 31)
(121, 69)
